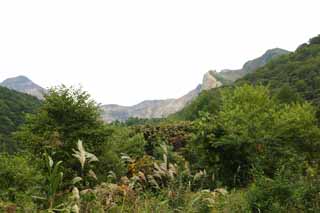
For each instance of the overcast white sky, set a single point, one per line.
(127, 51)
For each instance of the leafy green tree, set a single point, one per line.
(207, 101)
(253, 132)
(66, 115)
(315, 40)
(287, 95)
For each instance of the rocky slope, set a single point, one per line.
(158, 108)
(149, 108)
(24, 85)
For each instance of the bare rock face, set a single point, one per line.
(24, 85)
(209, 81)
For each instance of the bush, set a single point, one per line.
(18, 180)
(122, 141)
(287, 192)
(253, 131)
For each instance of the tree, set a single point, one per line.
(67, 115)
(253, 131)
(315, 40)
(287, 95)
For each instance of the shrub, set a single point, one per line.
(19, 178)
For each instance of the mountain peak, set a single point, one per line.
(276, 50)
(270, 54)
(19, 78)
(250, 66)
(25, 85)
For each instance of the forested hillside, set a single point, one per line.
(13, 108)
(298, 72)
(292, 77)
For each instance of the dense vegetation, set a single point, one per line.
(246, 148)
(298, 72)
(13, 107)
(208, 101)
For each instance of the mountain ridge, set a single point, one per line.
(250, 66)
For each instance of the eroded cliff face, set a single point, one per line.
(209, 81)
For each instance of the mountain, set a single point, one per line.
(158, 108)
(164, 108)
(13, 107)
(290, 77)
(24, 85)
(297, 73)
(229, 76)
(208, 101)
(149, 108)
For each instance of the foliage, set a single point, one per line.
(253, 131)
(13, 108)
(299, 70)
(18, 180)
(65, 116)
(132, 121)
(85, 159)
(207, 101)
(247, 147)
(174, 133)
(122, 141)
(287, 192)
(235, 201)
(54, 177)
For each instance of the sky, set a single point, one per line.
(125, 51)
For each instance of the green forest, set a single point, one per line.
(249, 146)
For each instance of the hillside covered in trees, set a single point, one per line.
(13, 108)
(253, 146)
(291, 77)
